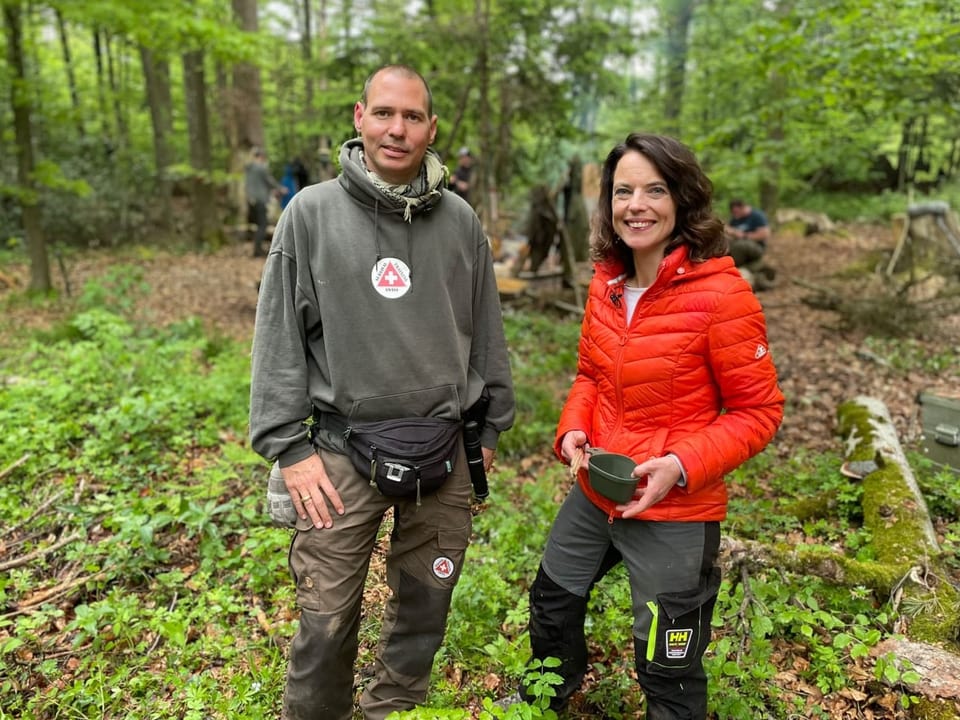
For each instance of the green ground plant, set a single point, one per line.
(142, 579)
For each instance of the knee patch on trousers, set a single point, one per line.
(418, 631)
(556, 630)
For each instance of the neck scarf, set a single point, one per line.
(427, 185)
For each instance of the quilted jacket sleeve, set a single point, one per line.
(577, 411)
(742, 366)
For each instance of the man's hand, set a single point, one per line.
(311, 490)
(488, 458)
(661, 475)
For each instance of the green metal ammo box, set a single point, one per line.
(940, 417)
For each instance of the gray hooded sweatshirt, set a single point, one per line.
(334, 333)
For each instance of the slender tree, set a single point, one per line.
(27, 190)
(676, 18)
(207, 230)
(68, 68)
(245, 103)
(156, 74)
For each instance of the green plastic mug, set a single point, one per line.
(610, 476)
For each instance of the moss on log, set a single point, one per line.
(903, 539)
(894, 510)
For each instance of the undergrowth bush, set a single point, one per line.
(152, 585)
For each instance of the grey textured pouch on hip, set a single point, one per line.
(279, 504)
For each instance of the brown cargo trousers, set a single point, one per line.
(329, 567)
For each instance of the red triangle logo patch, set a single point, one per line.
(390, 278)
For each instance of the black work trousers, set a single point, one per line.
(673, 583)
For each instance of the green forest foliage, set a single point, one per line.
(155, 586)
(786, 103)
(142, 578)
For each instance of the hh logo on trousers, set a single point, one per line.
(678, 643)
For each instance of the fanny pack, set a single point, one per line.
(403, 458)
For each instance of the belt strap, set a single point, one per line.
(334, 422)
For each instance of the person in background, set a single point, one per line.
(460, 179)
(295, 178)
(289, 182)
(300, 173)
(748, 231)
(378, 301)
(259, 184)
(674, 371)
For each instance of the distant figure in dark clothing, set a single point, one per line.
(289, 182)
(460, 180)
(542, 226)
(300, 173)
(259, 184)
(295, 178)
(748, 231)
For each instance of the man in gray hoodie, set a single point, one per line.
(378, 301)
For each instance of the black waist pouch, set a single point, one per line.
(404, 458)
(680, 630)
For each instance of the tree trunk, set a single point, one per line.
(115, 83)
(207, 228)
(903, 154)
(105, 130)
(68, 67)
(245, 103)
(482, 171)
(20, 102)
(156, 74)
(678, 15)
(770, 177)
(895, 513)
(247, 99)
(321, 162)
(894, 509)
(461, 110)
(306, 50)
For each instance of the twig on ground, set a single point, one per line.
(30, 557)
(14, 465)
(40, 509)
(52, 593)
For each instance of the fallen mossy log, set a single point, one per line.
(902, 538)
(894, 510)
(821, 561)
(907, 565)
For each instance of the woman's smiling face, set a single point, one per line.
(644, 212)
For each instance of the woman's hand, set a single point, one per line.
(573, 441)
(661, 474)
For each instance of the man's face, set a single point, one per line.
(395, 127)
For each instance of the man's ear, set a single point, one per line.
(357, 116)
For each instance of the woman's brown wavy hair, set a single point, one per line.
(697, 226)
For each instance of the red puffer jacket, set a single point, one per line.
(692, 375)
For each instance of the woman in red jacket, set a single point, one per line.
(674, 371)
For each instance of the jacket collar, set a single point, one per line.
(613, 273)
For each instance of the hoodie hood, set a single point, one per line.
(421, 195)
